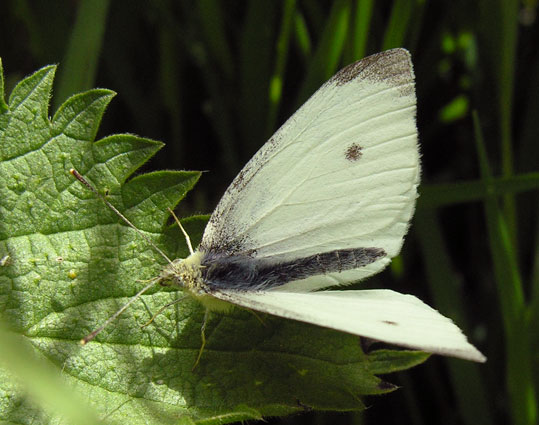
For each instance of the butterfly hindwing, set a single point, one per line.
(382, 315)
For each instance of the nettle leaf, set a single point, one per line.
(68, 263)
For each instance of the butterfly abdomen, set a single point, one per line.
(242, 272)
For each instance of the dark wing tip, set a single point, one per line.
(393, 66)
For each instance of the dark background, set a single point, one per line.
(198, 76)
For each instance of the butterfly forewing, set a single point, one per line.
(340, 174)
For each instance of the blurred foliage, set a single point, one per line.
(213, 80)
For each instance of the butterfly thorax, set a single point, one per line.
(185, 273)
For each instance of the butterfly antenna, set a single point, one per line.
(78, 176)
(187, 238)
(92, 335)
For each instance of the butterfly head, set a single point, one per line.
(185, 273)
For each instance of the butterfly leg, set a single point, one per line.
(254, 313)
(202, 337)
(162, 309)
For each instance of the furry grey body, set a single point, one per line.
(242, 272)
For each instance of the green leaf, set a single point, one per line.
(3, 106)
(68, 263)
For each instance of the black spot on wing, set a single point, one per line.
(242, 272)
(390, 322)
(353, 152)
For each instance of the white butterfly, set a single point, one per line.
(326, 202)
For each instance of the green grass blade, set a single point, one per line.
(360, 30)
(528, 160)
(283, 46)
(499, 23)
(82, 56)
(519, 373)
(434, 195)
(416, 26)
(533, 316)
(171, 88)
(447, 293)
(330, 48)
(211, 18)
(254, 74)
(398, 24)
(508, 32)
(301, 35)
